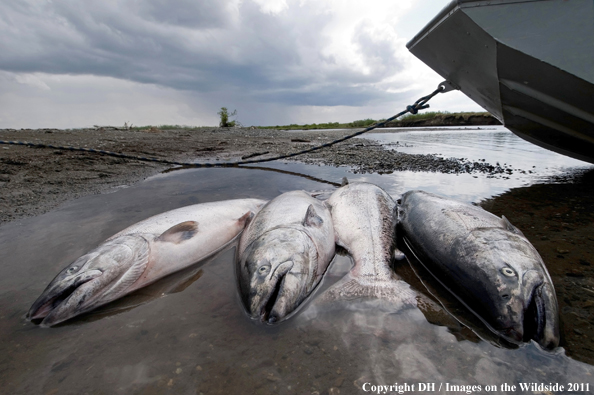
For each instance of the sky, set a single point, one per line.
(72, 63)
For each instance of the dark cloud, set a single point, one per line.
(329, 95)
(201, 46)
(203, 14)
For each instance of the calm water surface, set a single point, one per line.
(494, 144)
(189, 334)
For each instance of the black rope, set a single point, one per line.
(413, 109)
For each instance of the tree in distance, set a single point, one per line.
(224, 114)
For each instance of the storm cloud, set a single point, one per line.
(294, 53)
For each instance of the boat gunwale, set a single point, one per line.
(451, 8)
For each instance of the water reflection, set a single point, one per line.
(200, 340)
(494, 144)
(400, 346)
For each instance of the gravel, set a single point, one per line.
(35, 180)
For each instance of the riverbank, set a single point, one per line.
(36, 180)
(422, 119)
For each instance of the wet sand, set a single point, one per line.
(36, 180)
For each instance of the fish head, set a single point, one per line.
(98, 277)
(276, 273)
(511, 288)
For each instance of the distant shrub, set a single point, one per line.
(423, 115)
(404, 120)
(362, 123)
(224, 114)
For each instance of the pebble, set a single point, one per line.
(272, 377)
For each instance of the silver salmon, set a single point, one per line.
(283, 254)
(363, 216)
(140, 255)
(486, 262)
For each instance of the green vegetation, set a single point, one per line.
(441, 115)
(432, 116)
(294, 126)
(444, 118)
(329, 125)
(363, 123)
(225, 122)
(423, 115)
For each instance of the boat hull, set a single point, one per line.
(529, 63)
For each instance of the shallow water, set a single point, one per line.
(189, 334)
(493, 144)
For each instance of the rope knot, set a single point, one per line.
(412, 109)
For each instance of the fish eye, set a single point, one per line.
(264, 270)
(72, 269)
(508, 272)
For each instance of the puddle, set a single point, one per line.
(197, 339)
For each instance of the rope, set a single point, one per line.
(413, 109)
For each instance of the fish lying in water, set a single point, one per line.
(283, 254)
(486, 262)
(363, 216)
(140, 255)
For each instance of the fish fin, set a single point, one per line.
(312, 218)
(180, 232)
(507, 225)
(245, 219)
(344, 182)
(394, 291)
(140, 261)
(321, 195)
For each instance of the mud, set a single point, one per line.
(36, 180)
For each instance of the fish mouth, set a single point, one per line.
(534, 317)
(53, 298)
(541, 318)
(266, 312)
(533, 322)
(269, 302)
